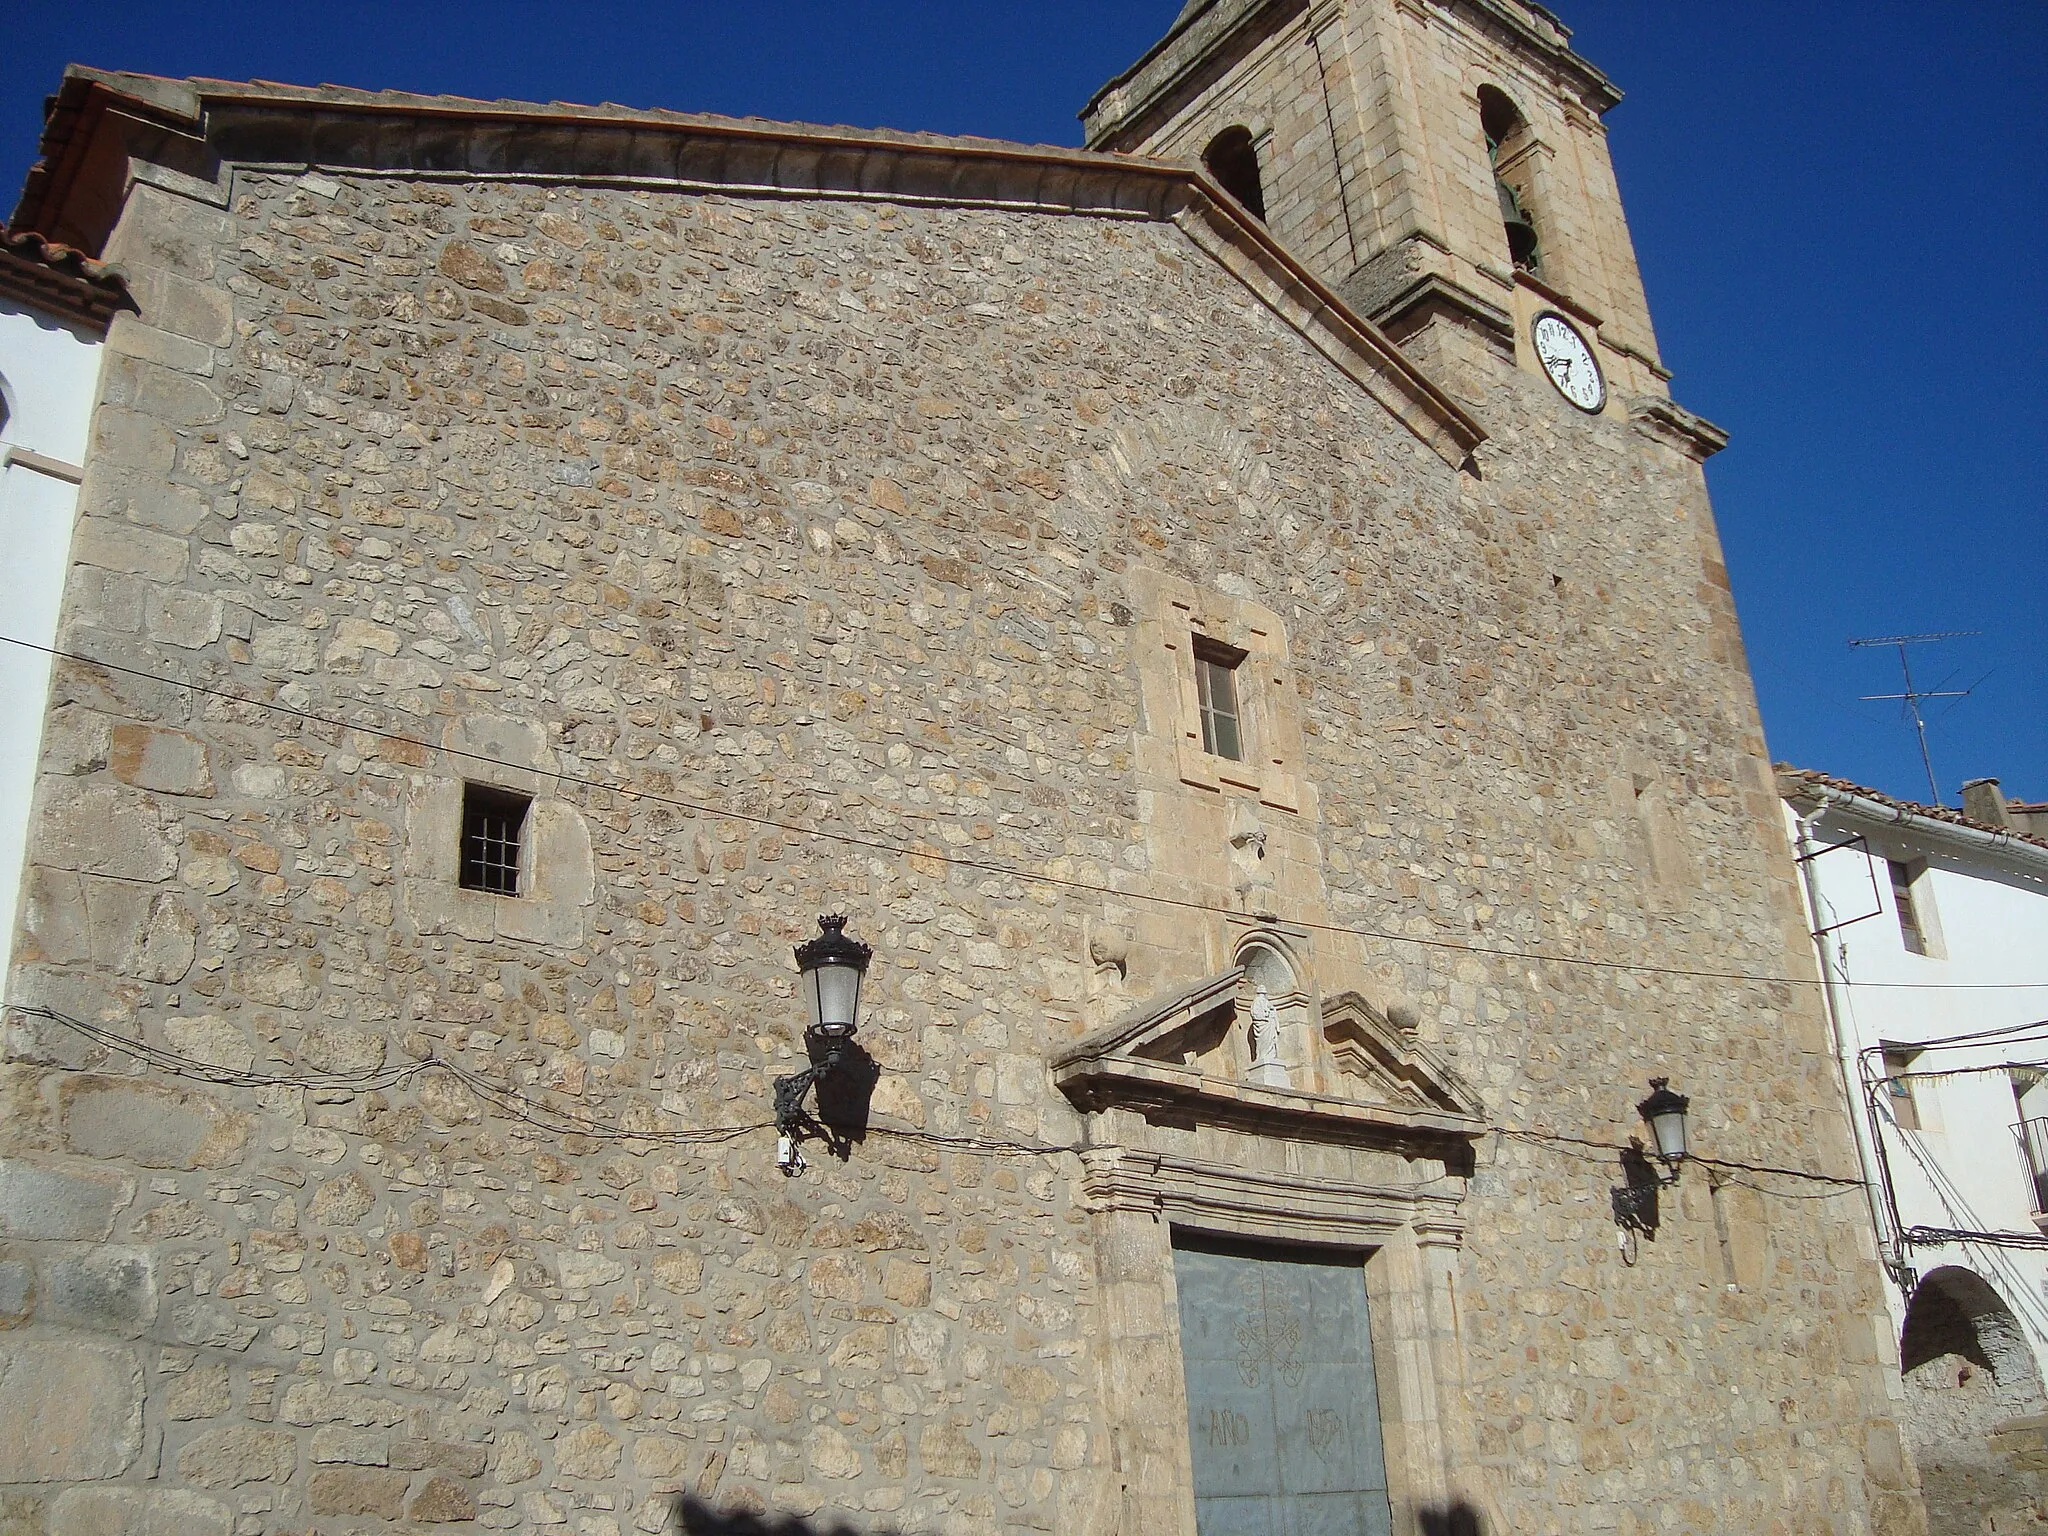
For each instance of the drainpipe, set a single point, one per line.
(1890, 1252)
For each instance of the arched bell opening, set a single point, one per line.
(1234, 161)
(1507, 135)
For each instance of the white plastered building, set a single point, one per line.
(1931, 926)
(55, 307)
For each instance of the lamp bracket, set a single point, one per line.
(792, 1121)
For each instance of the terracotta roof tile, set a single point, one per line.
(57, 277)
(1790, 778)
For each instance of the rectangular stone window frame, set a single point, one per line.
(497, 852)
(557, 869)
(1179, 625)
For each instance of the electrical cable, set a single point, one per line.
(561, 1122)
(989, 866)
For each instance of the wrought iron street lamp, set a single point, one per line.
(831, 966)
(1664, 1111)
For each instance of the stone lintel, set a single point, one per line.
(1260, 1203)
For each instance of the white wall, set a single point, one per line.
(1986, 915)
(49, 373)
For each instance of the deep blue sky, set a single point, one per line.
(1841, 211)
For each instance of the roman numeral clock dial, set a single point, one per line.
(1568, 361)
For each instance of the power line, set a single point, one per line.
(990, 866)
(557, 1121)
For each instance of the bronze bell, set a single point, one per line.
(1521, 233)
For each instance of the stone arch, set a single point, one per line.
(1233, 159)
(1968, 1371)
(1956, 1313)
(1508, 140)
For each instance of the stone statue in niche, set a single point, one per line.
(1267, 1067)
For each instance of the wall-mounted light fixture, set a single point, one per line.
(1635, 1203)
(831, 966)
(1664, 1111)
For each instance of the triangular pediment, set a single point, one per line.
(1181, 1056)
(1388, 1063)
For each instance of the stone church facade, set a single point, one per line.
(1296, 767)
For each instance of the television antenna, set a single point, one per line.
(1911, 698)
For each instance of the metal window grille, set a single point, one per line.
(1909, 918)
(493, 822)
(1216, 693)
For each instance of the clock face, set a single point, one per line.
(1569, 361)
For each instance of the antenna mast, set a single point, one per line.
(1912, 696)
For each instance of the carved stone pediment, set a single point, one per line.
(1360, 1079)
(1389, 1064)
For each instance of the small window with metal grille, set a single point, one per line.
(493, 826)
(1216, 692)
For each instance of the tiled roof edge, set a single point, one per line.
(60, 279)
(1792, 780)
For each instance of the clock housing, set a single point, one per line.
(1568, 361)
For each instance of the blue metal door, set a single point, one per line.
(1283, 1412)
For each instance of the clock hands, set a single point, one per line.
(1568, 361)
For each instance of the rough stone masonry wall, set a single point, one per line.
(765, 506)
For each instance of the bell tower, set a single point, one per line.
(1441, 164)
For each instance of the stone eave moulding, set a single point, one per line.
(92, 138)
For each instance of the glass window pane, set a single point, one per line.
(1227, 744)
(1216, 692)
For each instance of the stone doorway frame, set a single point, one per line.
(1411, 1239)
(1383, 1173)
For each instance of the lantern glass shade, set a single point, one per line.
(1665, 1112)
(832, 966)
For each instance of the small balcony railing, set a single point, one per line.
(2032, 1136)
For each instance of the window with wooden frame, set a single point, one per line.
(1912, 932)
(1216, 668)
(1897, 1088)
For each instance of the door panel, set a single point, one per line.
(1283, 1411)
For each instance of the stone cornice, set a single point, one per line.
(1198, 36)
(1126, 1082)
(201, 131)
(1672, 424)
